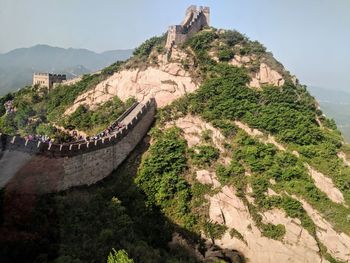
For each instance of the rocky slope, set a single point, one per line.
(261, 232)
(248, 227)
(241, 160)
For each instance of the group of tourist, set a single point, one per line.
(107, 132)
(41, 138)
(78, 138)
(9, 107)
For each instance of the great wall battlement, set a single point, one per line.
(35, 167)
(195, 20)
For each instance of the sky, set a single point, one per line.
(310, 37)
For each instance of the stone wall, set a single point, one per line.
(195, 20)
(36, 168)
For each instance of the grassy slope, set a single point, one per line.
(164, 177)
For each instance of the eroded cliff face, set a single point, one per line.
(226, 207)
(166, 82)
(266, 76)
(311, 234)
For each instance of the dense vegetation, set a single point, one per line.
(139, 216)
(287, 112)
(94, 121)
(37, 110)
(86, 224)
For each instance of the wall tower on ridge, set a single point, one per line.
(195, 20)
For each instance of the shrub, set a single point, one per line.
(204, 155)
(225, 54)
(232, 37)
(146, 47)
(274, 231)
(214, 230)
(201, 41)
(119, 256)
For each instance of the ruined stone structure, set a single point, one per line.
(47, 79)
(195, 20)
(33, 167)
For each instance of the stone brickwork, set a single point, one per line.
(34, 168)
(47, 79)
(195, 19)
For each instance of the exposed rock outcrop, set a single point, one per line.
(297, 245)
(338, 244)
(326, 185)
(194, 126)
(206, 177)
(165, 84)
(240, 61)
(265, 76)
(343, 157)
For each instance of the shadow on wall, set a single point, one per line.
(83, 224)
(38, 168)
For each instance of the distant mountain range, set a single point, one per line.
(18, 65)
(336, 105)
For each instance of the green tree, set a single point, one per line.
(119, 256)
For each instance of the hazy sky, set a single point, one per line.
(310, 37)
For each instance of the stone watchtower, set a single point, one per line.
(47, 79)
(195, 20)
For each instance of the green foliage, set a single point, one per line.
(63, 96)
(227, 128)
(214, 230)
(7, 124)
(146, 47)
(225, 54)
(201, 41)
(110, 70)
(235, 233)
(119, 256)
(173, 111)
(36, 106)
(290, 176)
(279, 111)
(206, 135)
(93, 121)
(327, 256)
(204, 155)
(160, 176)
(233, 173)
(274, 231)
(269, 230)
(252, 47)
(232, 37)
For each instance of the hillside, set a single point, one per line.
(240, 165)
(17, 66)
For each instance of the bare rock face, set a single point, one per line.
(297, 245)
(326, 185)
(207, 177)
(338, 244)
(165, 84)
(266, 75)
(193, 127)
(240, 61)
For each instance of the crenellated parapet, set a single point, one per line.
(51, 150)
(55, 167)
(48, 79)
(195, 20)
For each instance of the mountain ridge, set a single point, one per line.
(18, 65)
(240, 159)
